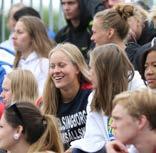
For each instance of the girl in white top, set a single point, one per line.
(110, 73)
(32, 46)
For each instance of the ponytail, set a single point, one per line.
(17, 59)
(51, 139)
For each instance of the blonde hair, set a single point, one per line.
(115, 18)
(13, 9)
(152, 16)
(136, 11)
(52, 95)
(41, 44)
(137, 103)
(24, 86)
(18, 6)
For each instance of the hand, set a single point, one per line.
(116, 147)
(69, 150)
(131, 36)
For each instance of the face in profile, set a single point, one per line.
(100, 35)
(21, 38)
(125, 126)
(62, 71)
(150, 69)
(6, 92)
(7, 141)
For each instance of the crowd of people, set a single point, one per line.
(90, 87)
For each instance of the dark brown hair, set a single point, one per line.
(40, 131)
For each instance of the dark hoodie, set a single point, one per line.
(80, 36)
(148, 33)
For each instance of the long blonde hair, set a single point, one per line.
(52, 95)
(24, 86)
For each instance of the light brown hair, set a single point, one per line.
(41, 44)
(24, 86)
(139, 102)
(113, 71)
(116, 18)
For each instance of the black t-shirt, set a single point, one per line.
(72, 117)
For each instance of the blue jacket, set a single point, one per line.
(6, 63)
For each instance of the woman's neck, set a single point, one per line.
(26, 53)
(21, 147)
(119, 42)
(75, 22)
(69, 93)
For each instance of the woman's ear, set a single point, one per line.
(110, 33)
(18, 132)
(77, 69)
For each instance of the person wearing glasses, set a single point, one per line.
(134, 121)
(23, 129)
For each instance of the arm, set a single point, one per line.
(94, 138)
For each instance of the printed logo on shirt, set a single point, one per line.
(110, 130)
(73, 126)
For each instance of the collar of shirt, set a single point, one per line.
(32, 56)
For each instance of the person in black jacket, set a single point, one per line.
(78, 14)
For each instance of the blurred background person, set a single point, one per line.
(8, 44)
(19, 85)
(78, 15)
(32, 47)
(7, 51)
(31, 12)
